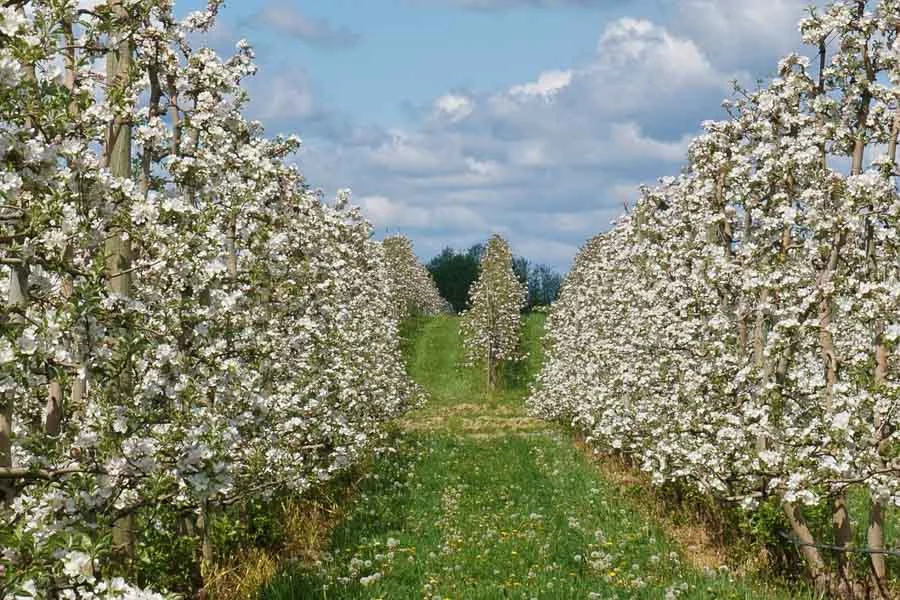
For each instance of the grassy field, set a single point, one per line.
(475, 500)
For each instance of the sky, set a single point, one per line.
(536, 119)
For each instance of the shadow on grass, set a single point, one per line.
(387, 506)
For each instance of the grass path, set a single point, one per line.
(475, 500)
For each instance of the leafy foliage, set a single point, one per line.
(454, 273)
(541, 281)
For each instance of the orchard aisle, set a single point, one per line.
(477, 500)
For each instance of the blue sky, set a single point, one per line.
(537, 119)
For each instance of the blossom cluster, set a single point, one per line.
(186, 324)
(492, 325)
(738, 330)
(413, 287)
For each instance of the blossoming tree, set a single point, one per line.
(414, 290)
(738, 331)
(186, 326)
(491, 326)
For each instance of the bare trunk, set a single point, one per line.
(875, 531)
(207, 554)
(174, 116)
(231, 248)
(18, 298)
(53, 409)
(18, 286)
(823, 153)
(807, 548)
(743, 335)
(843, 535)
(826, 339)
(875, 539)
(7, 489)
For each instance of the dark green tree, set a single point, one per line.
(454, 272)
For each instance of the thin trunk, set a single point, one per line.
(231, 249)
(207, 554)
(823, 153)
(744, 310)
(807, 548)
(18, 298)
(760, 339)
(174, 115)
(843, 533)
(875, 539)
(53, 410)
(875, 531)
(760, 331)
(147, 156)
(118, 244)
(743, 335)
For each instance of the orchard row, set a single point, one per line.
(737, 332)
(187, 327)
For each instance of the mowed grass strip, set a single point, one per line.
(452, 514)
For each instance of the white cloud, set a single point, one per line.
(387, 213)
(498, 4)
(409, 154)
(454, 107)
(548, 84)
(738, 31)
(628, 140)
(646, 59)
(554, 159)
(283, 95)
(286, 19)
(551, 173)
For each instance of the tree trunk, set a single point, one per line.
(807, 549)
(843, 535)
(875, 532)
(875, 540)
(53, 409)
(118, 244)
(18, 298)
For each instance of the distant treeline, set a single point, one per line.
(455, 271)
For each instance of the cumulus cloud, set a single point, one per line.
(288, 20)
(553, 159)
(454, 107)
(548, 84)
(549, 160)
(741, 32)
(387, 213)
(630, 141)
(282, 95)
(498, 4)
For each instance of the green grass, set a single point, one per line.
(434, 360)
(473, 500)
